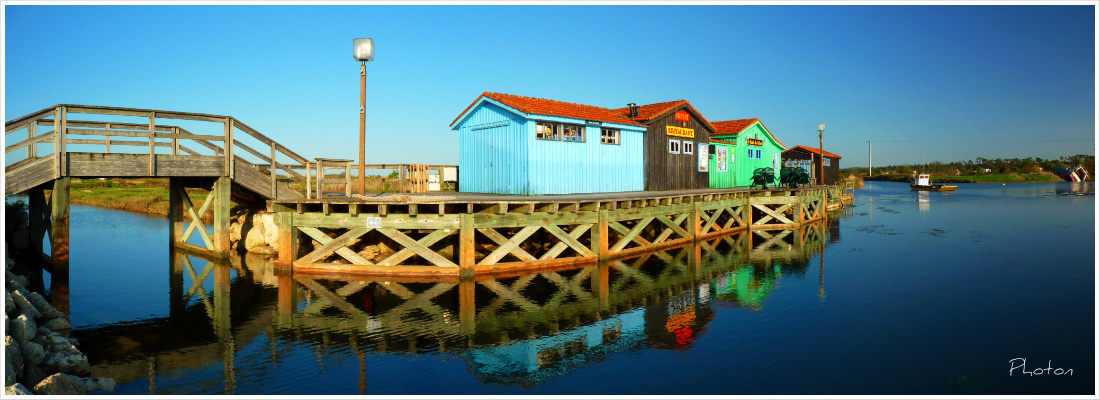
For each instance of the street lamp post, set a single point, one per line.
(821, 155)
(363, 50)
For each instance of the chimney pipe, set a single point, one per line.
(633, 110)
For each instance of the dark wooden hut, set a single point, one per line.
(676, 151)
(809, 157)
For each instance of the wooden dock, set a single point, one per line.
(429, 235)
(465, 234)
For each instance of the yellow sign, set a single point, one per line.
(754, 142)
(678, 131)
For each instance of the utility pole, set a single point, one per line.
(869, 158)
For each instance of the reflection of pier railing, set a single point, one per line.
(544, 312)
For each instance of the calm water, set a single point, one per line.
(904, 293)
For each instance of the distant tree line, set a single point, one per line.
(1029, 165)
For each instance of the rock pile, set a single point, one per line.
(37, 352)
(253, 231)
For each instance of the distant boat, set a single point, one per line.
(1076, 174)
(923, 183)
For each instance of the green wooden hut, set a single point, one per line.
(721, 163)
(754, 147)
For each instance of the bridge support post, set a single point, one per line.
(176, 191)
(288, 240)
(222, 204)
(39, 217)
(59, 244)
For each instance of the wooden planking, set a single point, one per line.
(252, 179)
(29, 175)
(183, 166)
(137, 165)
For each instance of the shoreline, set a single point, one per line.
(40, 357)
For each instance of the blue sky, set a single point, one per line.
(919, 81)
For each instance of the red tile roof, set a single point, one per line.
(648, 112)
(722, 141)
(813, 150)
(733, 127)
(736, 126)
(534, 105)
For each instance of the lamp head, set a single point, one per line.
(821, 127)
(363, 49)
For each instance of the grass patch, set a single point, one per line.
(147, 196)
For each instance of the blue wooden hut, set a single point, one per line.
(511, 144)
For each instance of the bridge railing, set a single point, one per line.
(54, 127)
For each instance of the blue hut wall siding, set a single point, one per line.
(560, 167)
(493, 156)
(498, 153)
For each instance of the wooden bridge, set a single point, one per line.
(214, 152)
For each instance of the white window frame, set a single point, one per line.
(580, 132)
(554, 127)
(673, 146)
(687, 147)
(610, 136)
(828, 161)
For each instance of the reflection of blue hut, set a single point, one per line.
(530, 362)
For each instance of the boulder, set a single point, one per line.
(271, 231)
(33, 375)
(265, 249)
(74, 363)
(254, 238)
(60, 385)
(17, 389)
(95, 384)
(57, 324)
(43, 306)
(20, 279)
(9, 304)
(22, 303)
(9, 374)
(23, 328)
(369, 252)
(234, 232)
(13, 356)
(33, 354)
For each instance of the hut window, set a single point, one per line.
(758, 154)
(673, 146)
(573, 133)
(827, 163)
(750, 154)
(689, 147)
(609, 136)
(547, 131)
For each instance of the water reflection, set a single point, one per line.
(510, 330)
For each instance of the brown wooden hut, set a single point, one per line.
(676, 144)
(802, 156)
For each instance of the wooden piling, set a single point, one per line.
(176, 191)
(59, 244)
(288, 240)
(221, 193)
